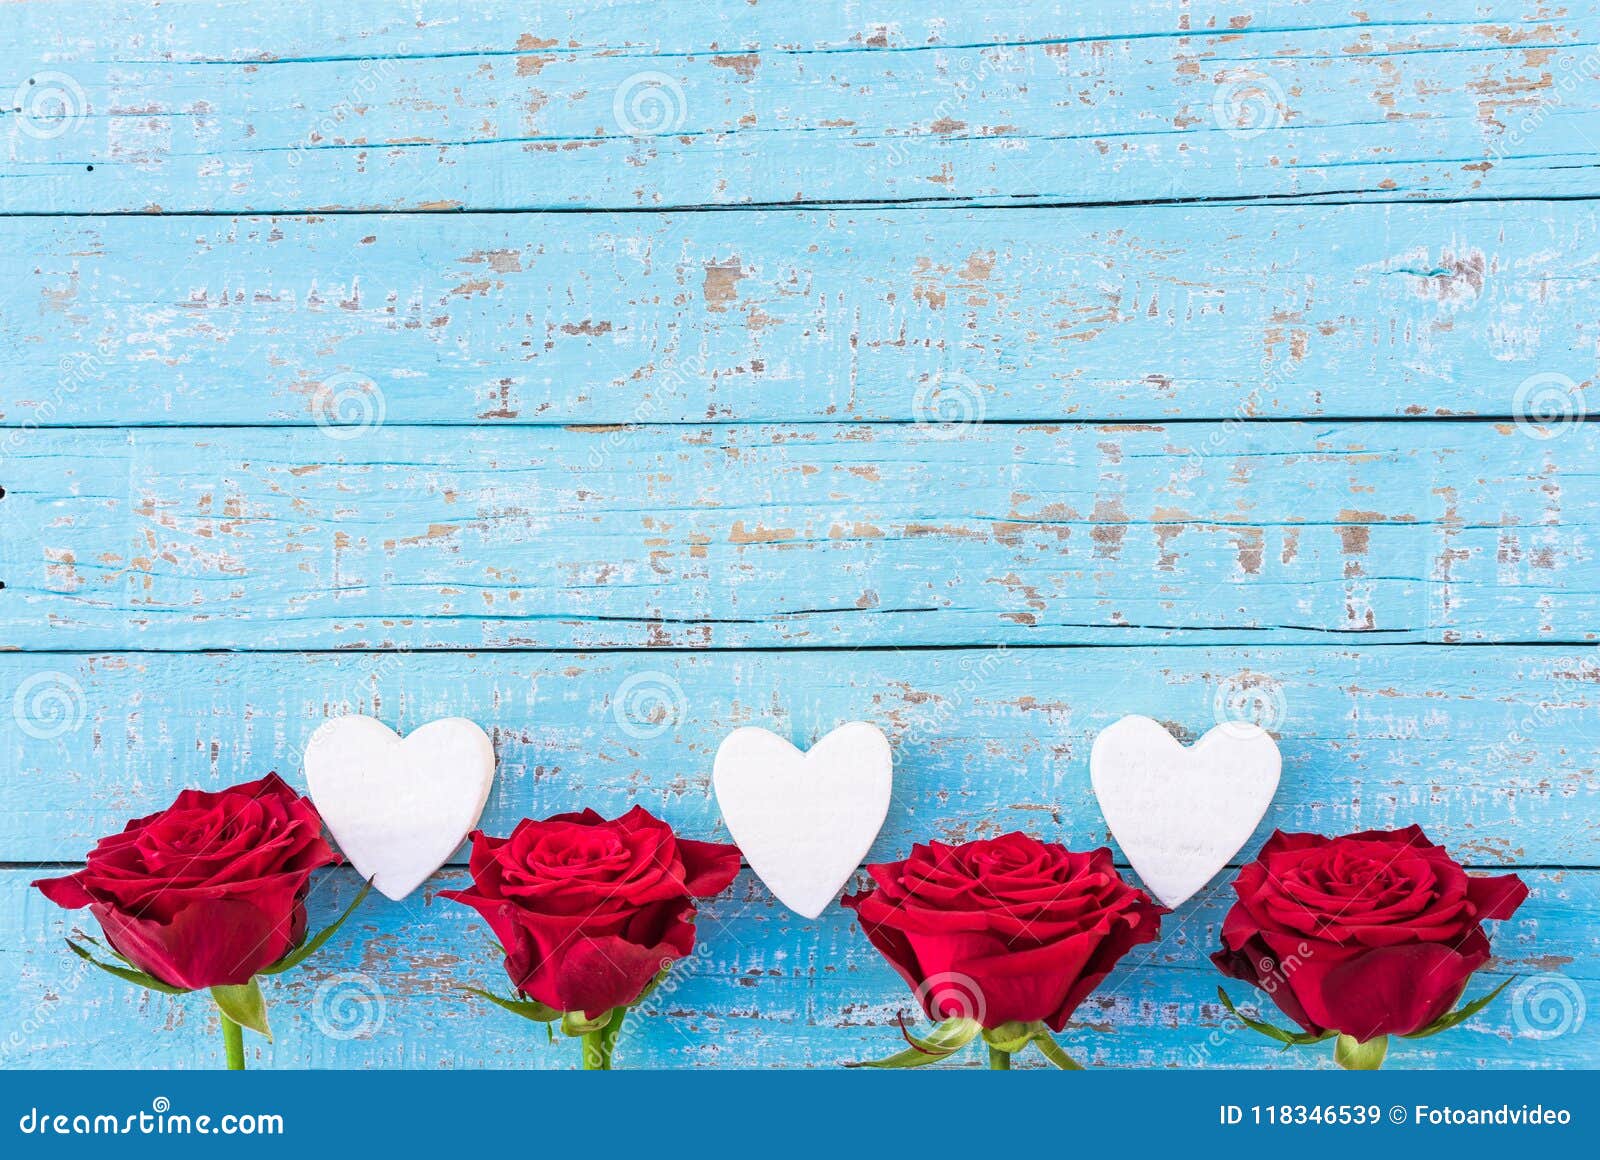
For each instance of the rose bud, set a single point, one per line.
(591, 913)
(1363, 936)
(1004, 936)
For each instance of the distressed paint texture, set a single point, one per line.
(1492, 105)
(799, 536)
(814, 363)
(885, 315)
(986, 739)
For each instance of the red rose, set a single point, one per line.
(1370, 934)
(1006, 930)
(208, 891)
(588, 910)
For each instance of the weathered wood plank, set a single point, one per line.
(81, 30)
(733, 536)
(766, 989)
(1495, 104)
(1159, 313)
(1493, 750)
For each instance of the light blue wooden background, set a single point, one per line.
(617, 374)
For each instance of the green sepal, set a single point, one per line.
(107, 947)
(127, 974)
(1287, 1038)
(310, 947)
(527, 1008)
(245, 1005)
(1354, 1056)
(944, 1040)
(1010, 1037)
(1053, 1051)
(575, 1023)
(1460, 1014)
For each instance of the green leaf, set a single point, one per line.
(1461, 1014)
(527, 1008)
(1052, 1051)
(1287, 1038)
(575, 1023)
(944, 1040)
(310, 947)
(1354, 1056)
(245, 1005)
(127, 974)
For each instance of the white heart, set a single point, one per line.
(1180, 814)
(398, 808)
(804, 821)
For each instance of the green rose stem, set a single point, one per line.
(233, 1043)
(999, 1060)
(599, 1043)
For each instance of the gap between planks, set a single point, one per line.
(692, 424)
(1331, 198)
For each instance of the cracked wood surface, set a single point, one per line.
(1492, 749)
(263, 389)
(730, 536)
(887, 315)
(1037, 104)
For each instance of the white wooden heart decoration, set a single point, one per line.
(399, 807)
(804, 821)
(1180, 814)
